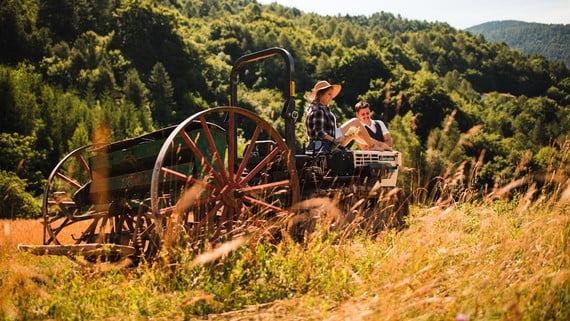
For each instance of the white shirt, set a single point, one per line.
(373, 127)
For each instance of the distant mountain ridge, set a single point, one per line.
(549, 40)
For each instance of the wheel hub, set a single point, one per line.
(232, 195)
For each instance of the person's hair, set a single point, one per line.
(360, 105)
(319, 93)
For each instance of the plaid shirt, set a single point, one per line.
(319, 121)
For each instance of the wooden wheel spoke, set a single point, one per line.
(200, 201)
(83, 163)
(248, 151)
(60, 203)
(57, 217)
(101, 231)
(90, 230)
(226, 213)
(215, 153)
(130, 224)
(232, 143)
(263, 204)
(207, 200)
(188, 179)
(210, 214)
(266, 186)
(204, 200)
(64, 210)
(200, 155)
(121, 224)
(68, 180)
(230, 216)
(55, 231)
(146, 229)
(167, 210)
(260, 166)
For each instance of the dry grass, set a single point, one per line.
(501, 261)
(20, 231)
(30, 232)
(497, 258)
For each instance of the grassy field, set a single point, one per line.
(490, 259)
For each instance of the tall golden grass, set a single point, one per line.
(20, 231)
(491, 259)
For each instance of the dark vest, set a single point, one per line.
(379, 135)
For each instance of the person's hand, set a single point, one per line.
(387, 147)
(352, 131)
(381, 147)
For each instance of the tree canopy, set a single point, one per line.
(69, 67)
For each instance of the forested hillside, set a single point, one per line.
(549, 40)
(453, 101)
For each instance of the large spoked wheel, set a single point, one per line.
(75, 225)
(212, 182)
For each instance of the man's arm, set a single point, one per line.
(385, 133)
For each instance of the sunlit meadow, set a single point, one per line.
(493, 259)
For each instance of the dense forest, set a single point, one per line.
(549, 40)
(455, 103)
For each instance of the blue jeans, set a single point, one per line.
(319, 147)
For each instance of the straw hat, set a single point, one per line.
(321, 85)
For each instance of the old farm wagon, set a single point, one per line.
(222, 170)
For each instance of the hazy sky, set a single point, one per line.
(457, 13)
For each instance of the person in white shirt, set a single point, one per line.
(376, 128)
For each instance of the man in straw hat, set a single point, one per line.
(321, 125)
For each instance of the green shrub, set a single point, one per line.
(15, 201)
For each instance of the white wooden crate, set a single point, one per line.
(392, 160)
